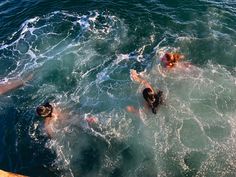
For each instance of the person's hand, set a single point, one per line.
(135, 76)
(131, 109)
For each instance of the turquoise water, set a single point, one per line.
(81, 54)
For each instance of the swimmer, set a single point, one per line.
(169, 60)
(153, 99)
(51, 114)
(13, 84)
(54, 116)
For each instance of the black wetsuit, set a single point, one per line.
(153, 100)
(158, 100)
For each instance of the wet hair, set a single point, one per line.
(168, 57)
(148, 95)
(153, 99)
(44, 110)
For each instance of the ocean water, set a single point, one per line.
(81, 54)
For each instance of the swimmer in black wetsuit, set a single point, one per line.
(152, 98)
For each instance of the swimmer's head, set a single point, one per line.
(168, 56)
(44, 110)
(148, 95)
(153, 99)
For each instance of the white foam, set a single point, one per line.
(31, 33)
(94, 18)
(121, 57)
(185, 90)
(4, 2)
(185, 38)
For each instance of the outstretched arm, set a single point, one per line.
(135, 111)
(136, 77)
(91, 120)
(13, 84)
(10, 85)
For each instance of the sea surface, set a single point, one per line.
(80, 54)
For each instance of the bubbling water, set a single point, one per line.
(76, 63)
(53, 36)
(197, 120)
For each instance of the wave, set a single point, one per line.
(78, 63)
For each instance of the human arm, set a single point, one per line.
(136, 77)
(132, 109)
(10, 85)
(8, 174)
(137, 112)
(13, 84)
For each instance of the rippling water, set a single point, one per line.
(81, 54)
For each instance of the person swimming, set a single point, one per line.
(51, 114)
(153, 99)
(169, 60)
(54, 117)
(45, 110)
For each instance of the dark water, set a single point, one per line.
(81, 54)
